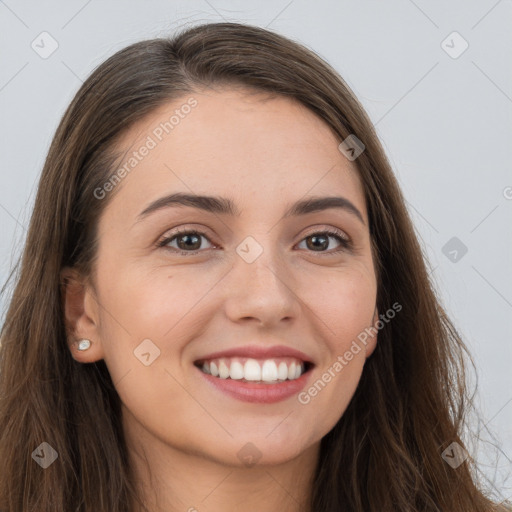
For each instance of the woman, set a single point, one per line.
(222, 302)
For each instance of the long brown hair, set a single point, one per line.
(384, 454)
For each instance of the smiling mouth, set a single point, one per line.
(261, 371)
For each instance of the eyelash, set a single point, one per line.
(345, 244)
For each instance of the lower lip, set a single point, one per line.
(258, 393)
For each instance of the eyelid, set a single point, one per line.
(324, 228)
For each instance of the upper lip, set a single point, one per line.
(259, 352)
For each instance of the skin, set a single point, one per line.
(263, 153)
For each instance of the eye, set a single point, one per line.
(188, 241)
(320, 240)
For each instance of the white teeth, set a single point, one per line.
(236, 371)
(269, 371)
(282, 371)
(291, 371)
(223, 370)
(252, 370)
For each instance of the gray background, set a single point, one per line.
(444, 119)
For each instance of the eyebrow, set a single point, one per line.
(224, 206)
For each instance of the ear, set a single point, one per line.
(371, 343)
(80, 316)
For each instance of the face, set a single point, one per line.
(227, 331)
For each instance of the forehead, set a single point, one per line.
(235, 143)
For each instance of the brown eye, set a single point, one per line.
(188, 242)
(319, 242)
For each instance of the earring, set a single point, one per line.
(84, 344)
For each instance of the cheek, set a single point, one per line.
(329, 393)
(344, 306)
(345, 303)
(154, 303)
(150, 312)
(167, 410)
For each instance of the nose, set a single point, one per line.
(261, 291)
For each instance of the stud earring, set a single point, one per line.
(84, 344)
